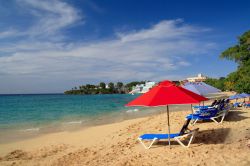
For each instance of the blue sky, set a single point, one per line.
(53, 45)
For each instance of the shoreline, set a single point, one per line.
(20, 134)
(52, 137)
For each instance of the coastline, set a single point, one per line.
(21, 121)
(116, 144)
(29, 131)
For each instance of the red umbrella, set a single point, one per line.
(166, 93)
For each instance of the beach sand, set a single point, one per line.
(117, 144)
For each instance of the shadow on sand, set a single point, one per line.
(211, 136)
(235, 116)
(232, 116)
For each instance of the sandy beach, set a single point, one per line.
(117, 144)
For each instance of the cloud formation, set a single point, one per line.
(53, 15)
(150, 53)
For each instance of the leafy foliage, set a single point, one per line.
(119, 87)
(239, 80)
(134, 83)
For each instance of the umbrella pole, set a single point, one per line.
(168, 128)
(192, 111)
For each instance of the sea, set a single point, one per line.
(27, 115)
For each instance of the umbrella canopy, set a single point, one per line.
(200, 88)
(236, 96)
(193, 87)
(166, 93)
(209, 88)
(244, 95)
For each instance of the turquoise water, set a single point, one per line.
(37, 110)
(29, 115)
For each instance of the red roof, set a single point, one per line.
(167, 93)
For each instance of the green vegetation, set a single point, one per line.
(111, 88)
(130, 85)
(239, 80)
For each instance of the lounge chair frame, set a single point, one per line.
(222, 115)
(177, 138)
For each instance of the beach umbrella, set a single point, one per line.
(192, 87)
(209, 88)
(165, 94)
(244, 95)
(236, 96)
(200, 88)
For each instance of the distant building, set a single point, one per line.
(199, 78)
(142, 88)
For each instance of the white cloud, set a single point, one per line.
(50, 17)
(53, 15)
(35, 61)
(8, 33)
(145, 54)
(167, 29)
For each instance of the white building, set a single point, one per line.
(142, 88)
(199, 78)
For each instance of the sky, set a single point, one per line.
(50, 46)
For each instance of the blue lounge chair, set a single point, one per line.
(247, 105)
(215, 102)
(213, 115)
(213, 105)
(220, 105)
(185, 132)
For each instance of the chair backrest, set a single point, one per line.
(185, 127)
(218, 101)
(221, 106)
(222, 101)
(227, 101)
(215, 101)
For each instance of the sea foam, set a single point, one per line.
(30, 129)
(132, 110)
(74, 122)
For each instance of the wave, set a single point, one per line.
(132, 110)
(74, 122)
(30, 129)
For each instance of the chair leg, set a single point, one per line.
(179, 141)
(222, 118)
(191, 139)
(213, 119)
(147, 147)
(182, 144)
(218, 122)
(193, 134)
(193, 123)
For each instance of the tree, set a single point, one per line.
(111, 87)
(119, 85)
(102, 85)
(130, 85)
(240, 53)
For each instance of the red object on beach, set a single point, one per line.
(167, 93)
(164, 94)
